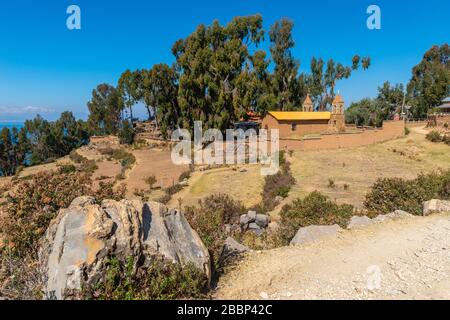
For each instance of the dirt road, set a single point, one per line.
(408, 259)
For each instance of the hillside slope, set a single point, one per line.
(412, 255)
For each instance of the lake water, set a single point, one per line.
(11, 125)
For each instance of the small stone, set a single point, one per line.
(254, 226)
(244, 220)
(262, 220)
(264, 295)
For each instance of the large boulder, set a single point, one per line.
(393, 216)
(359, 222)
(79, 242)
(314, 233)
(435, 206)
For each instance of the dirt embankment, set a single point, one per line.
(407, 259)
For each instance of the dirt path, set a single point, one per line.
(153, 162)
(412, 258)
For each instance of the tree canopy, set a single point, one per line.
(219, 75)
(430, 82)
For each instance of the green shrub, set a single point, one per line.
(76, 157)
(34, 202)
(434, 136)
(66, 168)
(162, 280)
(126, 133)
(126, 159)
(331, 183)
(279, 184)
(88, 166)
(315, 209)
(209, 219)
(185, 175)
(165, 198)
(407, 131)
(169, 192)
(151, 181)
(388, 195)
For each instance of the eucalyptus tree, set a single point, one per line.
(287, 86)
(430, 82)
(105, 110)
(129, 89)
(321, 82)
(160, 96)
(210, 62)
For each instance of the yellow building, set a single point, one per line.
(296, 124)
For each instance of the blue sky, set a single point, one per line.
(46, 69)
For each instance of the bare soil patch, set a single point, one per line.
(412, 257)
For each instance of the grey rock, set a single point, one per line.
(82, 201)
(184, 183)
(244, 220)
(359, 222)
(314, 233)
(262, 220)
(231, 246)
(435, 206)
(252, 215)
(256, 229)
(254, 226)
(393, 216)
(81, 238)
(278, 199)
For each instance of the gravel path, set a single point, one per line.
(408, 259)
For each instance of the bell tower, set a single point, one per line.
(337, 121)
(308, 105)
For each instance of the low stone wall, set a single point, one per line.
(391, 130)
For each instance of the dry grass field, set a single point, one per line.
(352, 171)
(244, 186)
(344, 174)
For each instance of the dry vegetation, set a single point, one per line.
(353, 171)
(344, 175)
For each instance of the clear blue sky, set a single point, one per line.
(46, 68)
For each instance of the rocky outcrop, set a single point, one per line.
(314, 233)
(254, 222)
(81, 239)
(393, 216)
(435, 206)
(359, 222)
